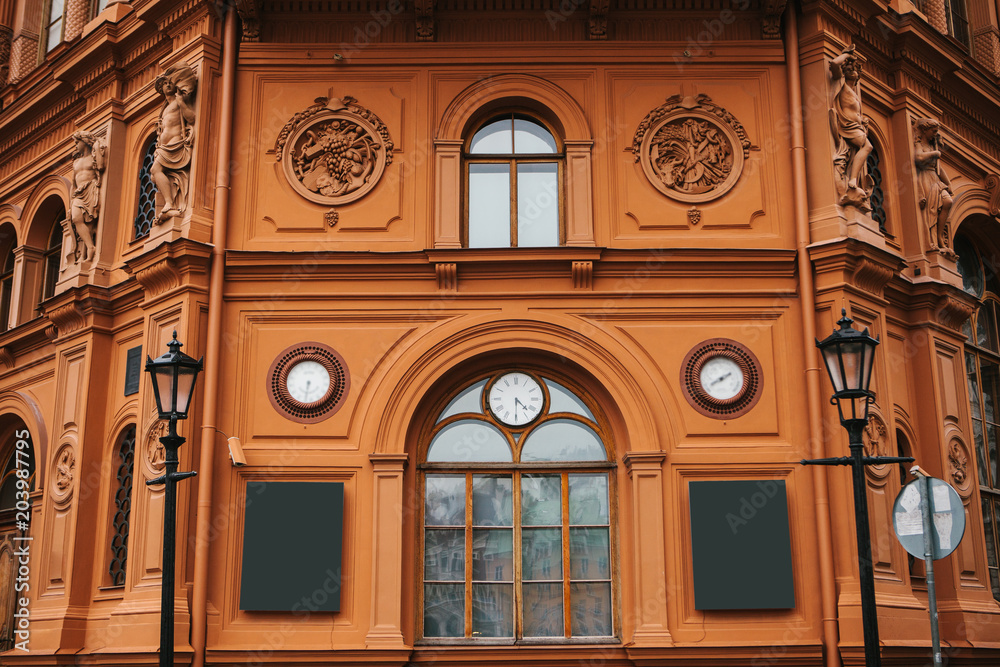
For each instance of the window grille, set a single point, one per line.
(877, 199)
(123, 508)
(145, 215)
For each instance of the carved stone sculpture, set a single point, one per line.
(933, 186)
(691, 149)
(85, 204)
(335, 151)
(174, 140)
(850, 132)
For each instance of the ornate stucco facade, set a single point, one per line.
(286, 181)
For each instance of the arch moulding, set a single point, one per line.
(27, 410)
(533, 93)
(970, 200)
(31, 232)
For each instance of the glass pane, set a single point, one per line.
(967, 330)
(492, 610)
(991, 440)
(492, 554)
(468, 400)
(537, 205)
(977, 434)
(495, 138)
(541, 500)
(563, 440)
(970, 368)
(969, 267)
(469, 441)
(590, 609)
(589, 553)
(984, 327)
(988, 373)
(444, 501)
(489, 205)
(54, 37)
(541, 554)
(562, 399)
(55, 10)
(543, 610)
(989, 527)
(444, 610)
(530, 137)
(444, 555)
(492, 500)
(588, 500)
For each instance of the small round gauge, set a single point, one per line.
(516, 399)
(721, 378)
(308, 382)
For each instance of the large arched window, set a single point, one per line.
(517, 516)
(124, 465)
(982, 363)
(7, 243)
(514, 172)
(52, 257)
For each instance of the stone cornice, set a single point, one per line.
(934, 303)
(171, 265)
(79, 308)
(853, 262)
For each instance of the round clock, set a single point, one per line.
(515, 399)
(721, 378)
(308, 382)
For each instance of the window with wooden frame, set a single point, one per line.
(982, 364)
(513, 184)
(517, 510)
(53, 28)
(52, 257)
(6, 282)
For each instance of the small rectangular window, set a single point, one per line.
(54, 25)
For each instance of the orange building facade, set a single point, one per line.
(516, 278)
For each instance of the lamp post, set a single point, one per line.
(849, 355)
(173, 375)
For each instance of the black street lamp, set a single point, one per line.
(849, 355)
(174, 375)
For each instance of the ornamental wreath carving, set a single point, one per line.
(335, 151)
(691, 149)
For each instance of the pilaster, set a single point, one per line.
(387, 552)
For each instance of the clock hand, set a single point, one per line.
(517, 402)
(721, 378)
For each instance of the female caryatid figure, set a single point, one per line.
(85, 204)
(933, 185)
(850, 131)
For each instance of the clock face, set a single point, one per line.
(516, 399)
(721, 378)
(308, 382)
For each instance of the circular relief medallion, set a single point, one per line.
(691, 149)
(721, 378)
(308, 382)
(335, 151)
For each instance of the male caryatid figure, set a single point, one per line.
(850, 131)
(85, 204)
(174, 139)
(933, 185)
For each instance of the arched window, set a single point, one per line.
(877, 199)
(514, 174)
(17, 481)
(123, 506)
(517, 514)
(982, 363)
(52, 257)
(6, 282)
(145, 214)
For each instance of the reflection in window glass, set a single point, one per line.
(469, 440)
(563, 440)
(54, 25)
(469, 400)
(562, 399)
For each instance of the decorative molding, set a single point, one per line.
(694, 215)
(332, 217)
(680, 128)
(324, 407)
(871, 275)
(771, 12)
(154, 455)
(67, 318)
(335, 151)
(7, 357)
(875, 437)
(993, 187)
(583, 275)
(249, 11)
(425, 20)
(644, 459)
(597, 22)
(958, 459)
(159, 277)
(63, 471)
(6, 34)
(952, 311)
(692, 381)
(447, 276)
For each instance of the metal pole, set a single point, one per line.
(869, 612)
(925, 510)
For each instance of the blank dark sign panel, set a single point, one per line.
(292, 543)
(740, 545)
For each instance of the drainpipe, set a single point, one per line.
(199, 597)
(807, 298)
